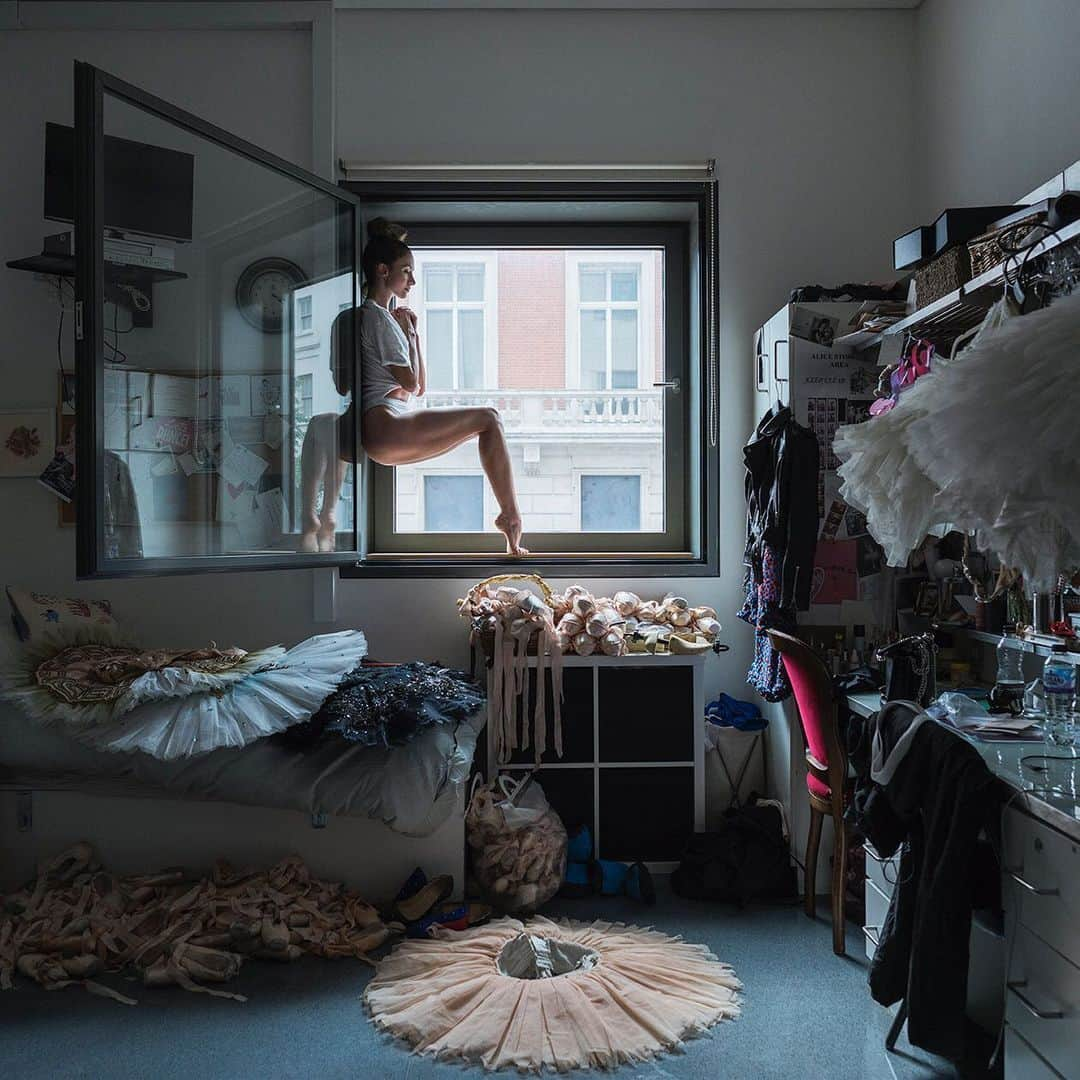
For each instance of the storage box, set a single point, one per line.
(913, 247)
(938, 278)
(961, 224)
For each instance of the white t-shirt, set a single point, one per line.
(383, 345)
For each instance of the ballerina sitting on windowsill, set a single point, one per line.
(391, 372)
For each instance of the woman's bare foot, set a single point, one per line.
(327, 534)
(510, 526)
(309, 541)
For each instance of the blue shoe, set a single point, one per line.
(582, 879)
(579, 845)
(613, 877)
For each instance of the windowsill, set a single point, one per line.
(638, 565)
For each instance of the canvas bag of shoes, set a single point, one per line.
(517, 844)
(745, 859)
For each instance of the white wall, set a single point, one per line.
(794, 107)
(998, 86)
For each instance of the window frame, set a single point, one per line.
(91, 87)
(695, 215)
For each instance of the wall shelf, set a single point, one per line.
(64, 266)
(1037, 648)
(963, 308)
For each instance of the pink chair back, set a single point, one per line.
(814, 695)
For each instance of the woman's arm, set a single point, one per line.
(416, 373)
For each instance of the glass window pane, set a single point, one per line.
(593, 284)
(624, 284)
(564, 415)
(224, 431)
(624, 359)
(594, 350)
(453, 504)
(438, 350)
(610, 503)
(471, 282)
(438, 283)
(471, 349)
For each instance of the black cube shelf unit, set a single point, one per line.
(633, 764)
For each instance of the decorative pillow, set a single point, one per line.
(35, 614)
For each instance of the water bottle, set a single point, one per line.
(1059, 682)
(1008, 692)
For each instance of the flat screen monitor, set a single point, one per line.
(148, 189)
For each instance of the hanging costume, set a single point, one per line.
(987, 444)
(782, 462)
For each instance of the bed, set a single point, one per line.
(364, 815)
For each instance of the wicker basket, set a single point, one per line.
(947, 272)
(486, 638)
(994, 247)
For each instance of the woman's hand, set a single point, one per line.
(406, 319)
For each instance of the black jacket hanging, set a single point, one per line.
(782, 501)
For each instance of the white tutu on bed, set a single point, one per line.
(287, 691)
(1002, 442)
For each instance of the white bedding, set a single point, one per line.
(412, 788)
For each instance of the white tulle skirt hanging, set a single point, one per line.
(1002, 442)
(550, 995)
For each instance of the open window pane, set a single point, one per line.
(222, 372)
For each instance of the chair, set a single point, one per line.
(826, 767)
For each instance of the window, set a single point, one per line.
(455, 299)
(610, 503)
(303, 314)
(592, 358)
(453, 503)
(609, 320)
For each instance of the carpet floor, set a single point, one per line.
(806, 1013)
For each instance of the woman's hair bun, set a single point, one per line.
(381, 227)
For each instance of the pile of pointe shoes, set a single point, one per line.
(77, 921)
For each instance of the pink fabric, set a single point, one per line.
(813, 712)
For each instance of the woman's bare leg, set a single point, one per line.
(332, 483)
(313, 461)
(416, 437)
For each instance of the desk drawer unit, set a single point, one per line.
(1022, 1062)
(1043, 1002)
(882, 872)
(1042, 882)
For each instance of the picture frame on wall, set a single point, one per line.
(27, 441)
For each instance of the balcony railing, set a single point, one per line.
(562, 412)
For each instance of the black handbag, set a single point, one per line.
(910, 669)
(747, 858)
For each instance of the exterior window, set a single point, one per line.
(577, 342)
(453, 305)
(610, 503)
(609, 320)
(303, 314)
(453, 503)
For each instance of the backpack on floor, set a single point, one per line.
(746, 858)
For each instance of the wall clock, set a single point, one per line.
(263, 289)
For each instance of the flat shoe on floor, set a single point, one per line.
(425, 898)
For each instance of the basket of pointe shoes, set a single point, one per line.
(624, 623)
